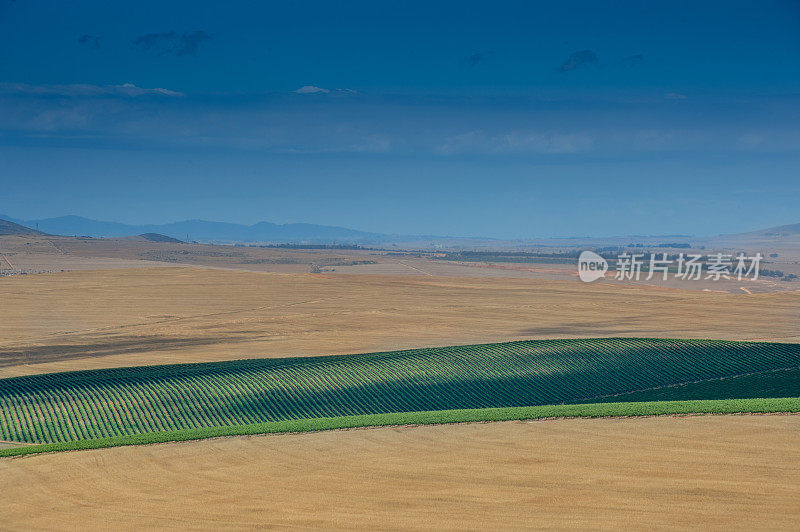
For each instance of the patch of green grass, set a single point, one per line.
(428, 418)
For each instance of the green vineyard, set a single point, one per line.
(75, 406)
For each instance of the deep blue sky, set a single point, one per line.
(504, 119)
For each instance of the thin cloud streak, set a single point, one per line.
(82, 89)
(338, 122)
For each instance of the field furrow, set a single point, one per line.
(83, 405)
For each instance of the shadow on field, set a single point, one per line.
(145, 399)
(104, 347)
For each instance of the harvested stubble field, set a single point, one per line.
(111, 318)
(720, 471)
(704, 472)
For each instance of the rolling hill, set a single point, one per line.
(782, 238)
(11, 228)
(791, 231)
(781, 230)
(156, 237)
(125, 402)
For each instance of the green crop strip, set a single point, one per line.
(131, 402)
(657, 408)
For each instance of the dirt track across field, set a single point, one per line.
(708, 472)
(106, 318)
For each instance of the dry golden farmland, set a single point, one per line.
(706, 472)
(712, 471)
(106, 318)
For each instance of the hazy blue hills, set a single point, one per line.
(266, 232)
(201, 230)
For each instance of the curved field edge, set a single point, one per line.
(317, 359)
(56, 408)
(595, 410)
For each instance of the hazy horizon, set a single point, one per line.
(519, 121)
(30, 221)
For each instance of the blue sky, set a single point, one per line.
(509, 119)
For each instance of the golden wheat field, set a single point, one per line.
(664, 473)
(710, 471)
(123, 317)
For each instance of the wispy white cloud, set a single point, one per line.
(335, 122)
(82, 89)
(311, 89)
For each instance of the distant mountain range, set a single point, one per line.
(222, 232)
(199, 230)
